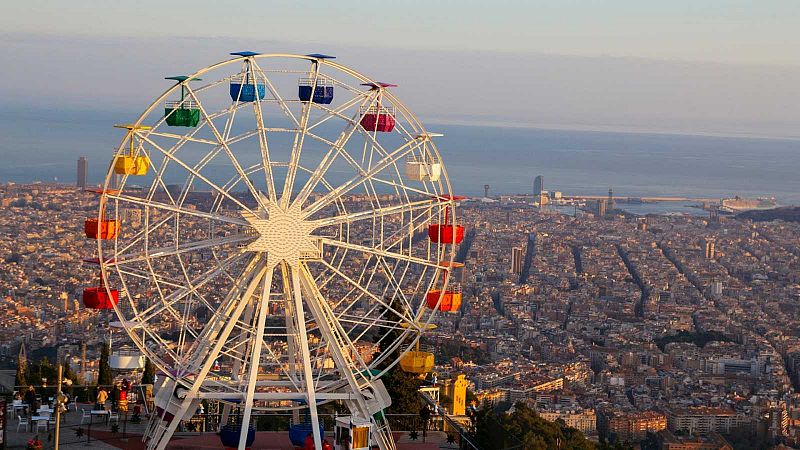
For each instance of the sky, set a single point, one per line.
(727, 67)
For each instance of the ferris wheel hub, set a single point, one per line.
(283, 234)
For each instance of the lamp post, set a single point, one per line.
(57, 406)
(60, 399)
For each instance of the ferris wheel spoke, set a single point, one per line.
(223, 142)
(338, 112)
(263, 145)
(336, 148)
(206, 277)
(178, 209)
(137, 237)
(182, 248)
(276, 95)
(302, 335)
(354, 182)
(405, 189)
(375, 251)
(336, 336)
(204, 360)
(366, 292)
(422, 205)
(257, 341)
(197, 174)
(297, 146)
(182, 137)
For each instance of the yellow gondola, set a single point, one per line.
(417, 362)
(130, 163)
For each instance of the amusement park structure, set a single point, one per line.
(282, 233)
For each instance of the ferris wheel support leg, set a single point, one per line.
(212, 356)
(263, 309)
(288, 299)
(308, 375)
(337, 339)
(236, 374)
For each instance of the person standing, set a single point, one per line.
(102, 396)
(115, 391)
(30, 399)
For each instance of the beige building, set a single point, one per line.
(584, 420)
(634, 426)
(704, 420)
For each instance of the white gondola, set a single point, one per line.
(418, 169)
(126, 359)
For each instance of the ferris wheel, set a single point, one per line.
(276, 232)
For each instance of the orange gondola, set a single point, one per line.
(101, 229)
(448, 300)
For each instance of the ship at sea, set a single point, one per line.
(739, 204)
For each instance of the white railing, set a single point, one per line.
(321, 81)
(177, 104)
(246, 79)
(388, 110)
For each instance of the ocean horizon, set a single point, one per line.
(43, 145)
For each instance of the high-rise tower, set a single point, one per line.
(710, 251)
(83, 166)
(610, 205)
(538, 185)
(517, 260)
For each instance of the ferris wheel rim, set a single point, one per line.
(411, 118)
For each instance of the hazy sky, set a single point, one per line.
(744, 31)
(710, 66)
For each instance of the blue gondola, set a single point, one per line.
(323, 91)
(299, 431)
(244, 89)
(229, 435)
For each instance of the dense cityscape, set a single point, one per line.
(624, 327)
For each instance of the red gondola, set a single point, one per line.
(446, 233)
(99, 297)
(378, 117)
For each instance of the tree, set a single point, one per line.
(21, 378)
(149, 374)
(523, 427)
(104, 375)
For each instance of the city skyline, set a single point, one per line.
(521, 224)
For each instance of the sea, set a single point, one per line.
(43, 145)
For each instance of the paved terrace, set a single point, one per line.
(101, 437)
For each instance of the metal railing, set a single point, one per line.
(465, 441)
(322, 81)
(387, 110)
(178, 104)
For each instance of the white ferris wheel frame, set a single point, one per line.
(302, 290)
